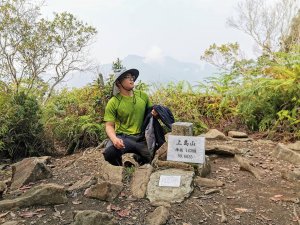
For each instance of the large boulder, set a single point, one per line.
(29, 170)
(156, 193)
(44, 194)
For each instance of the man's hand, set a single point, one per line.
(110, 131)
(154, 113)
(118, 143)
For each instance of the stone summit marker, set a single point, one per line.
(188, 149)
(174, 185)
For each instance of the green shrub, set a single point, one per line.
(74, 118)
(21, 131)
(190, 105)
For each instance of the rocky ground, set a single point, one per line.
(272, 198)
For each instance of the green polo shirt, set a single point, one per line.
(127, 112)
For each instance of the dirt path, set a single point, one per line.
(243, 199)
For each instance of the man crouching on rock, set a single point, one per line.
(124, 115)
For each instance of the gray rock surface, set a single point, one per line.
(84, 183)
(140, 179)
(182, 129)
(104, 190)
(44, 194)
(241, 139)
(204, 169)
(221, 149)
(155, 193)
(205, 182)
(237, 134)
(93, 217)
(292, 175)
(283, 152)
(2, 188)
(158, 217)
(29, 170)
(109, 172)
(294, 146)
(214, 134)
(13, 223)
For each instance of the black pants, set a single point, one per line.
(132, 145)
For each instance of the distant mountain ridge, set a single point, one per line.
(166, 70)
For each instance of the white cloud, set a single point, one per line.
(154, 55)
(97, 3)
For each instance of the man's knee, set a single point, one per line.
(112, 155)
(145, 153)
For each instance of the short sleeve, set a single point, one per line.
(146, 99)
(110, 111)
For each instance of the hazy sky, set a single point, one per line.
(182, 29)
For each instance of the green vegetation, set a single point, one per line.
(30, 46)
(73, 118)
(265, 93)
(21, 131)
(128, 172)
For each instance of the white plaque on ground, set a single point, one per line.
(186, 149)
(169, 181)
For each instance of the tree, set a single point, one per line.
(117, 65)
(264, 91)
(224, 56)
(266, 23)
(293, 38)
(37, 52)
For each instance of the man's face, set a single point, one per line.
(127, 81)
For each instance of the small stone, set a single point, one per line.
(294, 146)
(283, 152)
(211, 191)
(237, 217)
(104, 191)
(93, 217)
(205, 182)
(204, 169)
(84, 183)
(182, 129)
(158, 217)
(237, 134)
(214, 134)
